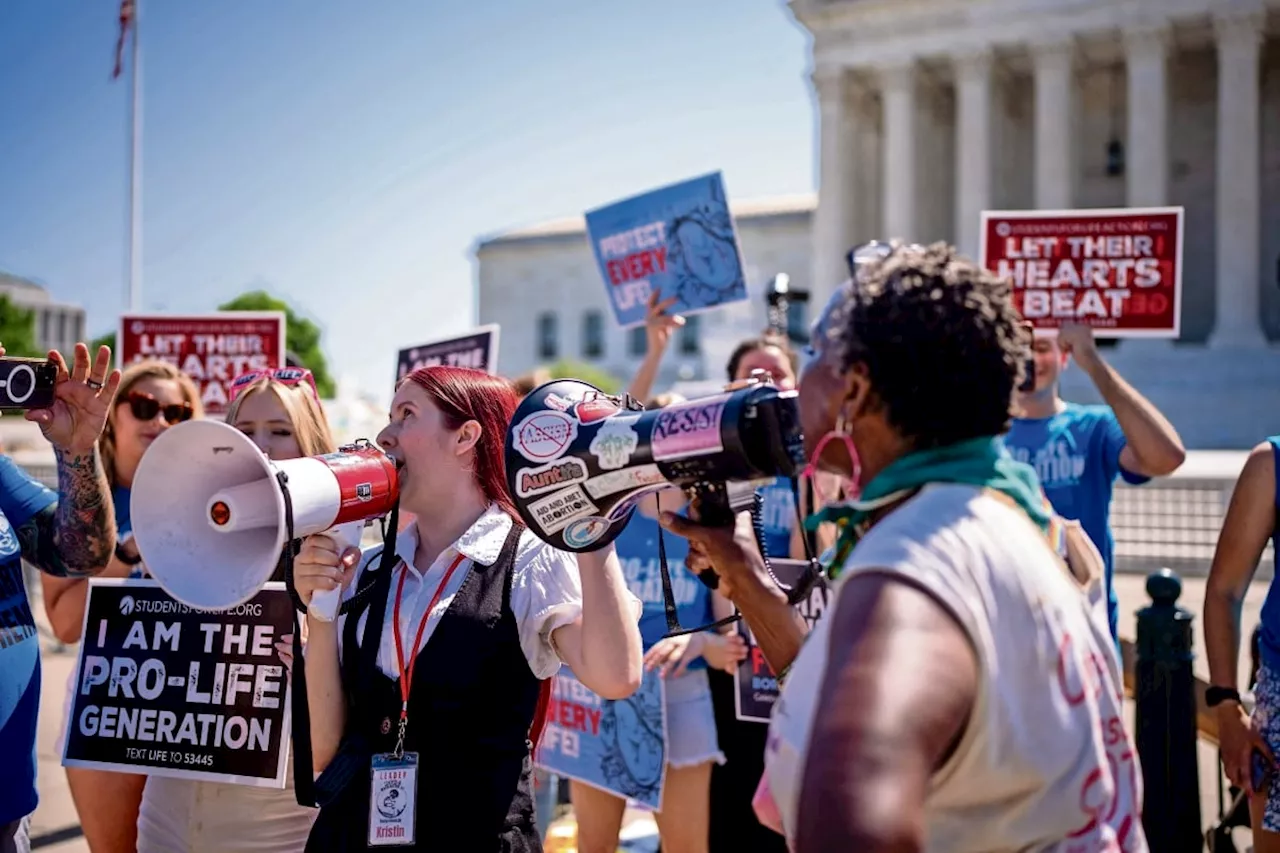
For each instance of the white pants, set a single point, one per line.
(202, 817)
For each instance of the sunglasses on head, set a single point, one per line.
(144, 407)
(284, 375)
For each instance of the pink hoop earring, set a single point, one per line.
(840, 433)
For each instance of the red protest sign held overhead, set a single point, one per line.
(213, 349)
(1117, 270)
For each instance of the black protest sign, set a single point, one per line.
(168, 690)
(477, 349)
(755, 682)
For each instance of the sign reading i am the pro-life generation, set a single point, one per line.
(679, 240)
(477, 349)
(167, 690)
(213, 349)
(1116, 270)
(755, 681)
(619, 746)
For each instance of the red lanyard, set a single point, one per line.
(406, 672)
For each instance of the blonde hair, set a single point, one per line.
(526, 383)
(152, 368)
(310, 426)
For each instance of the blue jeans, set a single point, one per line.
(544, 799)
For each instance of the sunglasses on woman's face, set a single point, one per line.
(144, 407)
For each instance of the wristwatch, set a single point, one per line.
(1214, 696)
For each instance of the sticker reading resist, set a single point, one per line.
(543, 436)
(627, 478)
(555, 511)
(537, 481)
(688, 429)
(614, 443)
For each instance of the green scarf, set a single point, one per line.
(981, 462)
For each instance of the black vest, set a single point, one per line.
(472, 702)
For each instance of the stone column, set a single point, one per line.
(1147, 154)
(973, 147)
(1054, 129)
(898, 88)
(832, 226)
(1239, 37)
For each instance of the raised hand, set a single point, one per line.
(658, 324)
(82, 399)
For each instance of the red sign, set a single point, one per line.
(1119, 271)
(212, 349)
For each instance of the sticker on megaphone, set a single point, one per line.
(210, 511)
(578, 461)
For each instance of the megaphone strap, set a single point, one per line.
(309, 790)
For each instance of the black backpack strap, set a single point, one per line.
(354, 751)
(371, 591)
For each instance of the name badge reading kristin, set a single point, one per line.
(393, 802)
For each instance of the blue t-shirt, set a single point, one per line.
(124, 523)
(124, 519)
(778, 516)
(637, 548)
(21, 497)
(1076, 454)
(1269, 639)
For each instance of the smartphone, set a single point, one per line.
(26, 383)
(1260, 769)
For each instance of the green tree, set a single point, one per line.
(18, 329)
(302, 337)
(569, 369)
(107, 340)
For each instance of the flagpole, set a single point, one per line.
(135, 168)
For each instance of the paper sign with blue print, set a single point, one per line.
(678, 239)
(619, 746)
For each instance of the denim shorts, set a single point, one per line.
(691, 721)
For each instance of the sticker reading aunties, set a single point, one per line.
(563, 472)
(688, 429)
(544, 436)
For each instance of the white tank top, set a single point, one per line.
(1045, 763)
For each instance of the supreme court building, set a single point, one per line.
(931, 111)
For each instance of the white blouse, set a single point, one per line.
(546, 590)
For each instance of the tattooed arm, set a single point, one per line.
(76, 536)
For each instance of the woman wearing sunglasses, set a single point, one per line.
(446, 655)
(280, 410)
(152, 397)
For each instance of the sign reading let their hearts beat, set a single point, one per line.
(1119, 271)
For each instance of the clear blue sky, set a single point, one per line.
(345, 156)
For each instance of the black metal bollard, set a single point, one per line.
(1164, 690)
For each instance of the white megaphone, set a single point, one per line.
(209, 510)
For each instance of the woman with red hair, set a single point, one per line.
(423, 706)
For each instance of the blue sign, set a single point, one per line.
(619, 746)
(678, 240)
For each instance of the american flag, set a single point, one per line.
(126, 20)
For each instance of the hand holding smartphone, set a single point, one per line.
(26, 383)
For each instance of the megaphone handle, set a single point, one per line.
(326, 603)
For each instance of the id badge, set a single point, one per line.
(393, 802)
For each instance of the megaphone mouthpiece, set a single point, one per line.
(211, 513)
